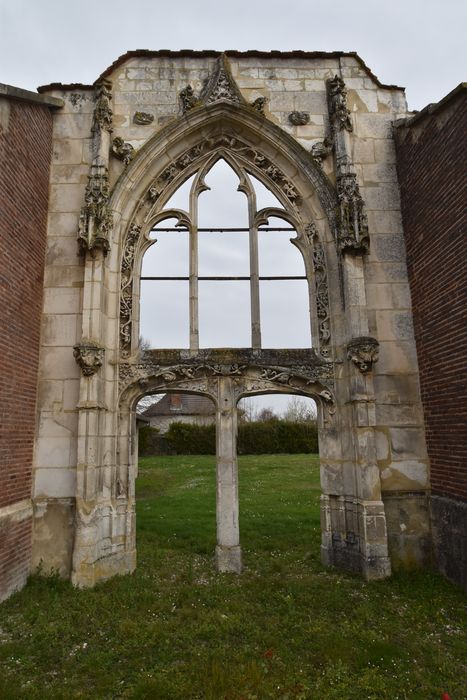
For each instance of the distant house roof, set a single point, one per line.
(181, 405)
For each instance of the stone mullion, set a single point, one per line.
(254, 273)
(228, 552)
(193, 272)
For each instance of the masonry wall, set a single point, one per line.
(25, 152)
(431, 167)
(151, 82)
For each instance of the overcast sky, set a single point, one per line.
(419, 44)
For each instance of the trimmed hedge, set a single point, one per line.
(260, 437)
(190, 439)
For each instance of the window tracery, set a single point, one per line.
(261, 183)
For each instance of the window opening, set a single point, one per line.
(222, 205)
(224, 317)
(264, 197)
(181, 197)
(164, 308)
(246, 286)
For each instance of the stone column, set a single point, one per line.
(228, 552)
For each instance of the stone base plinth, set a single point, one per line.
(229, 559)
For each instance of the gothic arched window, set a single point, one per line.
(221, 270)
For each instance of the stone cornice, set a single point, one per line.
(16, 93)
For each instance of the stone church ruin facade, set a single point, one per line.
(87, 174)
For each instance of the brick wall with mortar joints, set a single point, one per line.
(432, 181)
(25, 153)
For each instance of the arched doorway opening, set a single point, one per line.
(279, 481)
(175, 489)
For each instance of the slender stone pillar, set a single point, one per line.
(228, 552)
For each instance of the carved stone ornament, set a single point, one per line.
(337, 104)
(321, 150)
(221, 85)
(353, 236)
(95, 220)
(126, 287)
(231, 143)
(102, 117)
(89, 356)
(321, 290)
(143, 118)
(313, 376)
(122, 150)
(259, 104)
(299, 118)
(363, 352)
(188, 99)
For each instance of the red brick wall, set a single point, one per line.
(25, 153)
(431, 166)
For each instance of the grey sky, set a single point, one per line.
(419, 44)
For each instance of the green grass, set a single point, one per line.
(286, 628)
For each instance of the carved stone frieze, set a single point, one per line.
(337, 104)
(126, 287)
(95, 220)
(122, 150)
(198, 375)
(363, 352)
(299, 118)
(321, 150)
(314, 376)
(321, 289)
(89, 356)
(353, 236)
(143, 118)
(102, 117)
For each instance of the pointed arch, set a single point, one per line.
(249, 143)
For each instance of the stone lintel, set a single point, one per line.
(286, 358)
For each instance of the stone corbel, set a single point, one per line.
(188, 99)
(143, 118)
(299, 118)
(89, 356)
(321, 150)
(363, 352)
(259, 104)
(122, 150)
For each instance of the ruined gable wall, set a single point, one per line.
(431, 166)
(152, 84)
(25, 151)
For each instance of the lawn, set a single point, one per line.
(287, 628)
